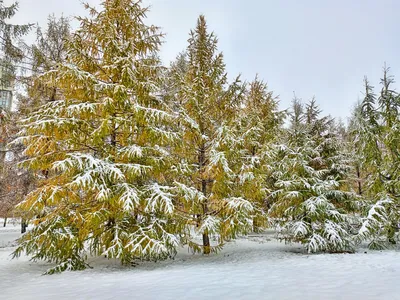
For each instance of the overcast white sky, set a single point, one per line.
(313, 47)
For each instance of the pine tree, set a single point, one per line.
(310, 204)
(104, 144)
(208, 199)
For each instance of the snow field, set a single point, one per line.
(257, 267)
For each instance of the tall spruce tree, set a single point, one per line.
(104, 146)
(207, 194)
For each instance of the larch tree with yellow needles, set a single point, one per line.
(208, 200)
(259, 126)
(104, 144)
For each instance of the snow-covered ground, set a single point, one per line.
(9, 233)
(252, 268)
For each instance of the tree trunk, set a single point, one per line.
(206, 243)
(5, 221)
(359, 181)
(2, 154)
(206, 238)
(256, 225)
(24, 225)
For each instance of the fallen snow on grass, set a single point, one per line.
(252, 268)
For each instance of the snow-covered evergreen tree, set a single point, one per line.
(11, 44)
(104, 144)
(172, 82)
(49, 50)
(376, 135)
(209, 202)
(310, 205)
(259, 125)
